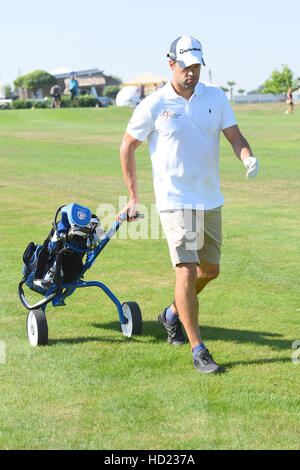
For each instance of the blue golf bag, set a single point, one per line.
(59, 259)
(56, 268)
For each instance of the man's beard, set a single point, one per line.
(190, 85)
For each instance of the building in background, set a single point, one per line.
(91, 81)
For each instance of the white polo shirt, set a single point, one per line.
(183, 138)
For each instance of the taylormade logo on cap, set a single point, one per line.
(186, 51)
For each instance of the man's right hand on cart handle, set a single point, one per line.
(131, 210)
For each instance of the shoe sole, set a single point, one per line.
(216, 371)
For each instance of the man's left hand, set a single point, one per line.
(252, 165)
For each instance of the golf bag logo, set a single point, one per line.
(81, 215)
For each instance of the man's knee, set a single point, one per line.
(213, 274)
(208, 272)
(186, 272)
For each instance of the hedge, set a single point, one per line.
(85, 101)
(5, 106)
(21, 104)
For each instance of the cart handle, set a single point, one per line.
(37, 305)
(124, 216)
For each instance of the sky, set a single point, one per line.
(243, 41)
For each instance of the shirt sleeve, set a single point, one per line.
(140, 124)
(227, 114)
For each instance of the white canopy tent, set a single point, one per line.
(146, 79)
(128, 96)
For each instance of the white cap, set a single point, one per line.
(186, 51)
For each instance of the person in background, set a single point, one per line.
(141, 92)
(55, 92)
(73, 88)
(289, 101)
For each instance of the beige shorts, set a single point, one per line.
(193, 235)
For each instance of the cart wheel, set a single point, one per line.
(132, 313)
(37, 328)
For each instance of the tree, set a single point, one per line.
(231, 85)
(111, 91)
(241, 91)
(279, 82)
(34, 80)
(224, 89)
(8, 91)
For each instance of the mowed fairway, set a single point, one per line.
(93, 388)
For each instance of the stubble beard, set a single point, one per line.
(184, 85)
(190, 85)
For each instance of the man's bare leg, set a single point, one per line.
(189, 280)
(186, 300)
(205, 273)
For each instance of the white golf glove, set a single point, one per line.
(252, 165)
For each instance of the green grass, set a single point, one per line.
(93, 388)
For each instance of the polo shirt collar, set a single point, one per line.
(170, 90)
(198, 89)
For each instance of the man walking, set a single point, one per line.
(55, 92)
(73, 88)
(183, 121)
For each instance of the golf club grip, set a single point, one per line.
(124, 216)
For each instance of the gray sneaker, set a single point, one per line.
(205, 363)
(174, 330)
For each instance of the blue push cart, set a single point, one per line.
(37, 328)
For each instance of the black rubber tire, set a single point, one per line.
(132, 312)
(37, 328)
